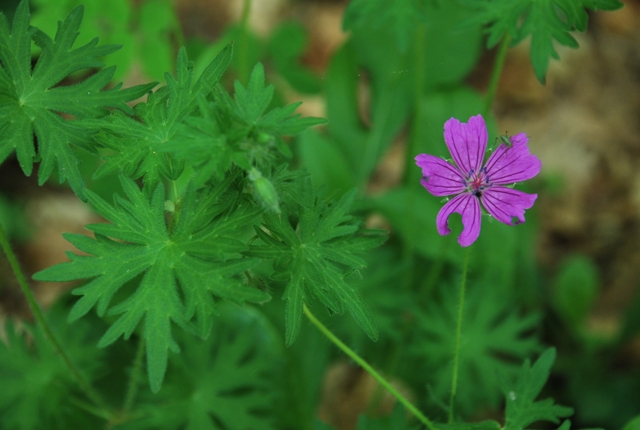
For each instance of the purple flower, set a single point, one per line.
(472, 184)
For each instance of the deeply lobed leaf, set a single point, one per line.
(33, 104)
(545, 21)
(181, 269)
(224, 381)
(493, 337)
(314, 254)
(136, 141)
(522, 408)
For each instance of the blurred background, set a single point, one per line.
(584, 125)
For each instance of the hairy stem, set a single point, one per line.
(456, 356)
(496, 72)
(39, 317)
(366, 366)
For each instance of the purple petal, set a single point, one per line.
(505, 204)
(439, 177)
(467, 206)
(467, 142)
(508, 165)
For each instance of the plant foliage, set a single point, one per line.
(225, 197)
(183, 266)
(546, 21)
(237, 131)
(314, 245)
(522, 408)
(136, 140)
(220, 383)
(36, 386)
(494, 338)
(32, 103)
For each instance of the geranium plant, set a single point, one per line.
(240, 252)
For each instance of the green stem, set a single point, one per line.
(355, 357)
(132, 388)
(39, 316)
(243, 46)
(496, 72)
(411, 171)
(456, 356)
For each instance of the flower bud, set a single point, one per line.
(264, 190)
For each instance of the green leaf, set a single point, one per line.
(396, 421)
(545, 21)
(34, 102)
(223, 382)
(483, 425)
(315, 245)
(36, 385)
(401, 16)
(240, 131)
(111, 21)
(287, 45)
(322, 158)
(575, 289)
(136, 141)
(494, 335)
(633, 424)
(522, 410)
(181, 269)
(158, 23)
(252, 102)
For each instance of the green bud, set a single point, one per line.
(264, 137)
(264, 190)
(266, 193)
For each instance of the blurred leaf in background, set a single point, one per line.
(495, 339)
(224, 381)
(36, 385)
(149, 33)
(575, 290)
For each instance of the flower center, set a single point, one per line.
(477, 182)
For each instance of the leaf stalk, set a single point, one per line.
(368, 368)
(498, 66)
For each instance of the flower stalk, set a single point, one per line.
(456, 353)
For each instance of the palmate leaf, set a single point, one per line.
(221, 383)
(545, 20)
(522, 409)
(238, 131)
(252, 102)
(36, 385)
(31, 102)
(181, 268)
(494, 338)
(315, 246)
(136, 141)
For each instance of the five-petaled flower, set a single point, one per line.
(471, 183)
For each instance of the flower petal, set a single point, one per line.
(467, 142)
(467, 206)
(508, 165)
(505, 204)
(439, 177)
